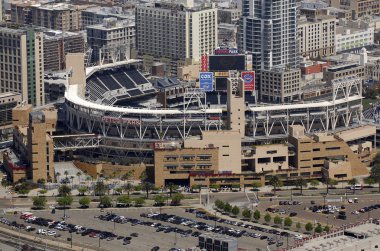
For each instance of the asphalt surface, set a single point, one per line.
(148, 237)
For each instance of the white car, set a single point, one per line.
(350, 201)
(42, 231)
(51, 233)
(355, 212)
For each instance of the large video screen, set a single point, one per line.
(227, 62)
(221, 84)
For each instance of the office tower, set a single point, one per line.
(22, 64)
(269, 31)
(358, 8)
(175, 33)
(21, 13)
(115, 39)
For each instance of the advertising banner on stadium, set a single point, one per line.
(206, 81)
(249, 62)
(204, 62)
(249, 80)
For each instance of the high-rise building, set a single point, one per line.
(175, 33)
(22, 64)
(113, 37)
(358, 8)
(21, 13)
(269, 31)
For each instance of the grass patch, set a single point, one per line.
(367, 102)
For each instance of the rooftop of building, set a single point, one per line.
(112, 24)
(59, 6)
(344, 30)
(9, 94)
(58, 34)
(309, 20)
(180, 5)
(114, 11)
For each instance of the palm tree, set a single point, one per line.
(66, 173)
(79, 174)
(171, 187)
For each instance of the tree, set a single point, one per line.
(171, 188)
(375, 174)
(329, 182)
(353, 182)
(66, 173)
(277, 220)
(314, 183)
(176, 199)
(235, 186)
(195, 187)
(235, 211)
(100, 188)
(57, 174)
(369, 181)
(288, 222)
(275, 182)
(124, 199)
(318, 229)
(143, 176)
(126, 176)
(128, 188)
(118, 190)
(214, 186)
(159, 200)
(308, 227)
(39, 202)
(65, 201)
(41, 181)
(247, 214)
(84, 202)
(326, 229)
(227, 207)
(105, 201)
(219, 204)
(298, 226)
(256, 185)
(147, 186)
(82, 190)
(139, 202)
(64, 191)
(267, 218)
(300, 182)
(42, 191)
(257, 215)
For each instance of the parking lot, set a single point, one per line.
(146, 228)
(327, 211)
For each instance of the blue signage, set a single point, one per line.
(206, 81)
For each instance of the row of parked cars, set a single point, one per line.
(289, 202)
(52, 225)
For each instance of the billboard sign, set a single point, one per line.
(226, 51)
(249, 80)
(222, 74)
(206, 81)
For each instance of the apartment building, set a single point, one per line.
(57, 44)
(58, 16)
(268, 30)
(175, 33)
(21, 11)
(317, 36)
(109, 35)
(349, 39)
(358, 8)
(22, 64)
(280, 84)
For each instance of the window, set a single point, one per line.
(316, 149)
(272, 152)
(332, 148)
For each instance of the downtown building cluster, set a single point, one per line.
(192, 93)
